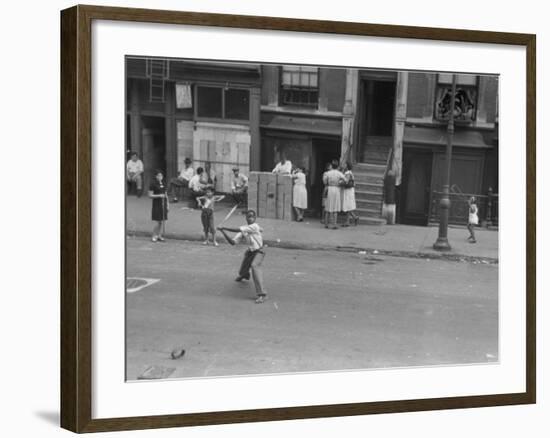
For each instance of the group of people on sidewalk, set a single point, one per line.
(197, 184)
(338, 195)
(251, 233)
(338, 192)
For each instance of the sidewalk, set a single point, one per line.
(396, 240)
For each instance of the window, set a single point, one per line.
(299, 86)
(223, 103)
(465, 105)
(236, 104)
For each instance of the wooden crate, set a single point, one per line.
(270, 195)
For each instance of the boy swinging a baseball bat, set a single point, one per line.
(254, 255)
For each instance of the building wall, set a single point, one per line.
(224, 146)
(185, 141)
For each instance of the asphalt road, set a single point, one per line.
(327, 310)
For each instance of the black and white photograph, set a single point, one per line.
(285, 218)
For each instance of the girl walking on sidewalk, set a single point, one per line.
(159, 207)
(473, 220)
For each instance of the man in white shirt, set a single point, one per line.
(283, 167)
(239, 186)
(134, 173)
(196, 185)
(254, 255)
(182, 181)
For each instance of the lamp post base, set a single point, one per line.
(442, 244)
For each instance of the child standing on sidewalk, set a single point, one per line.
(159, 207)
(472, 218)
(206, 203)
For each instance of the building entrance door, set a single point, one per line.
(376, 120)
(153, 142)
(415, 190)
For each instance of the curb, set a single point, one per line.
(454, 257)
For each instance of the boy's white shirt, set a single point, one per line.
(252, 234)
(209, 202)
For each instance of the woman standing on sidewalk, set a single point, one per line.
(333, 179)
(159, 207)
(348, 196)
(299, 193)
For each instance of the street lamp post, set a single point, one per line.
(442, 242)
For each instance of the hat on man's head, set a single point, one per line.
(235, 168)
(187, 161)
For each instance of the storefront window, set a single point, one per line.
(223, 103)
(237, 104)
(209, 102)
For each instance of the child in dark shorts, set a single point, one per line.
(206, 203)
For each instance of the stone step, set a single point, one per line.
(368, 212)
(370, 167)
(368, 195)
(371, 221)
(371, 204)
(376, 187)
(368, 179)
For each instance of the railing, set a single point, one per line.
(458, 213)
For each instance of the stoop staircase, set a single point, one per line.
(369, 192)
(369, 184)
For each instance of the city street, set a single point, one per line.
(327, 310)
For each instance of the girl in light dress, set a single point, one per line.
(348, 196)
(299, 198)
(473, 220)
(324, 214)
(333, 179)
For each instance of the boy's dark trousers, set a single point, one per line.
(207, 219)
(248, 263)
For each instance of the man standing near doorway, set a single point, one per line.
(134, 173)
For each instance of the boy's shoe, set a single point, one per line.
(174, 199)
(161, 239)
(154, 239)
(216, 243)
(239, 278)
(205, 242)
(260, 299)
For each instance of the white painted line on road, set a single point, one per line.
(135, 284)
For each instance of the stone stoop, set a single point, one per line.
(369, 192)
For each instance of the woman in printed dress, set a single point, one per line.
(333, 179)
(159, 208)
(348, 196)
(299, 194)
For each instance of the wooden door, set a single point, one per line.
(417, 174)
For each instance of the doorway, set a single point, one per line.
(416, 184)
(377, 120)
(324, 151)
(153, 144)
